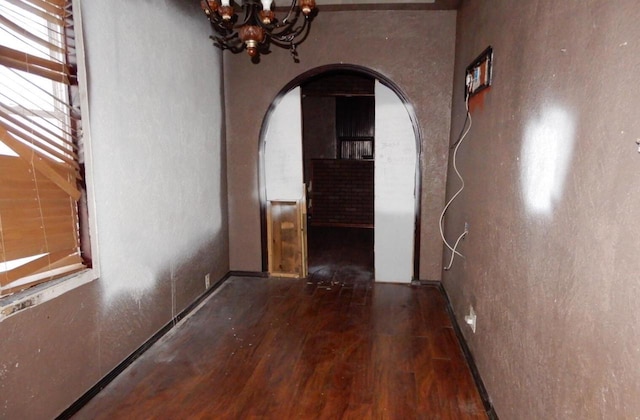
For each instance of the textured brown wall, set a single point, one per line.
(413, 48)
(550, 164)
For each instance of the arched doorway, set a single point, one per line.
(397, 169)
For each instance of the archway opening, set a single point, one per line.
(338, 126)
(340, 118)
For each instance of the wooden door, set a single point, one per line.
(286, 235)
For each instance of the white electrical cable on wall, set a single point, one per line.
(464, 133)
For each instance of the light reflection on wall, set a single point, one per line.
(545, 157)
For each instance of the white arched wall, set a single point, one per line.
(395, 192)
(283, 149)
(396, 160)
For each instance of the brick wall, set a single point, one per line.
(342, 193)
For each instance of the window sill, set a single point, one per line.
(34, 296)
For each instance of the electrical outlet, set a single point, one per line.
(479, 73)
(471, 319)
(207, 280)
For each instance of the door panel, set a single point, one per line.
(287, 240)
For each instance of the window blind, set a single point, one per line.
(40, 173)
(355, 126)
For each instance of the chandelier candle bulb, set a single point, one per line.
(226, 11)
(307, 6)
(266, 16)
(209, 6)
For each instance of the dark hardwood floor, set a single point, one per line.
(332, 346)
(341, 257)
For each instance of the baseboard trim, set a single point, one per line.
(261, 274)
(484, 395)
(432, 283)
(102, 383)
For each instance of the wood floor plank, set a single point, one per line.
(266, 348)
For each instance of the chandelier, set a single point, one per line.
(259, 26)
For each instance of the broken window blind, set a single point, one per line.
(40, 172)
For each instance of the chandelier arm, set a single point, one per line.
(217, 22)
(291, 39)
(293, 5)
(231, 44)
(289, 35)
(249, 14)
(223, 29)
(234, 49)
(281, 31)
(228, 38)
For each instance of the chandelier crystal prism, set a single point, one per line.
(259, 27)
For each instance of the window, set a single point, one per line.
(40, 167)
(355, 126)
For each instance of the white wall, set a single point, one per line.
(159, 175)
(395, 168)
(283, 149)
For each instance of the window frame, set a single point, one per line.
(88, 229)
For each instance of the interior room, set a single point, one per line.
(338, 140)
(543, 283)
